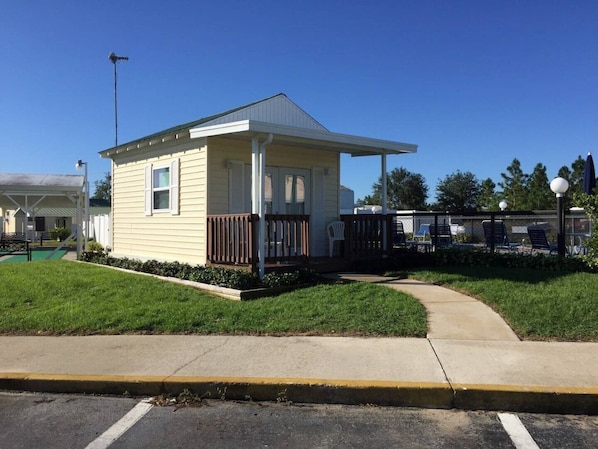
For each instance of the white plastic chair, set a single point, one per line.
(336, 231)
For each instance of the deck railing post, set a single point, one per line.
(492, 234)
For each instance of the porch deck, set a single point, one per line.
(232, 241)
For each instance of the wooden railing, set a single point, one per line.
(232, 238)
(368, 235)
(287, 237)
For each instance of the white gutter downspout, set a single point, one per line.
(259, 188)
(255, 171)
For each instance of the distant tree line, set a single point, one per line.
(464, 192)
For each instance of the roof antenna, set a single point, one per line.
(115, 58)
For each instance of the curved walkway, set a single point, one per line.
(451, 315)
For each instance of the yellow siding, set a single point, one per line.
(162, 235)
(203, 190)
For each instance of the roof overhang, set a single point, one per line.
(308, 138)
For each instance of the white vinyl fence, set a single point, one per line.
(100, 230)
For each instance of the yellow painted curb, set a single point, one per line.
(531, 398)
(408, 394)
(536, 398)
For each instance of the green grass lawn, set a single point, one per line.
(538, 305)
(62, 297)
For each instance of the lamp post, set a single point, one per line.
(559, 186)
(79, 165)
(503, 205)
(114, 58)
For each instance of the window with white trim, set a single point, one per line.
(162, 188)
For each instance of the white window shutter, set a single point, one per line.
(148, 189)
(174, 187)
(236, 187)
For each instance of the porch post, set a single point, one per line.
(384, 203)
(256, 198)
(258, 183)
(262, 189)
(255, 193)
(384, 190)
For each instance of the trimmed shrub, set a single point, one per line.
(60, 234)
(95, 247)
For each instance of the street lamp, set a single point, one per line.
(559, 186)
(503, 205)
(114, 58)
(79, 165)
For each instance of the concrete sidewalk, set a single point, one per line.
(470, 360)
(468, 374)
(451, 315)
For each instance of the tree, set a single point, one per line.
(590, 205)
(514, 186)
(489, 198)
(574, 176)
(405, 190)
(539, 195)
(458, 192)
(103, 188)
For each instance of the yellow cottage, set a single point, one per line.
(250, 186)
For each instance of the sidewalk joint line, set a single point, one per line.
(443, 371)
(224, 343)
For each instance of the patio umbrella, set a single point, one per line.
(589, 176)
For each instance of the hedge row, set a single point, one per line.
(543, 262)
(459, 256)
(245, 280)
(224, 277)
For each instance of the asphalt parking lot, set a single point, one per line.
(74, 421)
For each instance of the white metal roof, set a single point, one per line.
(278, 109)
(276, 115)
(308, 138)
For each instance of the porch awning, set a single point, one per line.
(306, 138)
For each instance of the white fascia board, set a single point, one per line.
(219, 130)
(355, 145)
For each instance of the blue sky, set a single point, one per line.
(474, 84)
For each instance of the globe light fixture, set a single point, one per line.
(503, 205)
(560, 186)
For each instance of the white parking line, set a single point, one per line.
(121, 426)
(517, 431)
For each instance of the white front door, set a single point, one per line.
(288, 191)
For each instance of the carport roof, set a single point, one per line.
(39, 190)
